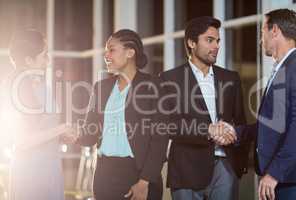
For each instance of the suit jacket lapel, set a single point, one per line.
(279, 73)
(129, 109)
(193, 85)
(102, 94)
(218, 79)
(105, 92)
(262, 100)
(266, 92)
(137, 79)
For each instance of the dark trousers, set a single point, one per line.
(114, 177)
(223, 186)
(285, 191)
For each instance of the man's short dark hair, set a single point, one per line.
(198, 26)
(285, 19)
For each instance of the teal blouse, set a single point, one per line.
(114, 137)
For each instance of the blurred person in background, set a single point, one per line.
(36, 171)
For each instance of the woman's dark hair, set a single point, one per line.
(132, 40)
(25, 43)
(198, 26)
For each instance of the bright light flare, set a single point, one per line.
(64, 148)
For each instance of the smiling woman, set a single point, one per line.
(129, 159)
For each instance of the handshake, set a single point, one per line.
(222, 133)
(69, 133)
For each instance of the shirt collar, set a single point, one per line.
(198, 71)
(116, 85)
(278, 65)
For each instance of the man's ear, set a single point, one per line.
(191, 43)
(275, 30)
(131, 53)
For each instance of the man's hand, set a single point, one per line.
(222, 133)
(139, 191)
(266, 190)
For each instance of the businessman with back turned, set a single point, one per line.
(275, 131)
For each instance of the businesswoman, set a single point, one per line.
(122, 120)
(36, 171)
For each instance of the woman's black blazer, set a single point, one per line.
(145, 125)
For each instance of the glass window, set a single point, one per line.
(281, 3)
(73, 25)
(70, 74)
(189, 9)
(150, 20)
(241, 56)
(15, 15)
(73, 71)
(155, 58)
(107, 19)
(240, 8)
(180, 52)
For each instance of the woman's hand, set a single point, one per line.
(70, 136)
(139, 191)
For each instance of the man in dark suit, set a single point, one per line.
(198, 94)
(274, 131)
